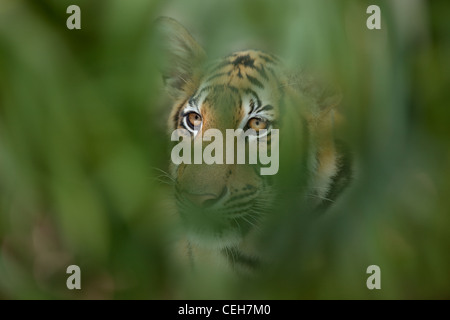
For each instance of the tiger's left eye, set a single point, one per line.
(257, 124)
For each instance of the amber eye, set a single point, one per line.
(193, 120)
(257, 124)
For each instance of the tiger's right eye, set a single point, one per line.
(193, 120)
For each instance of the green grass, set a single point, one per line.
(82, 129)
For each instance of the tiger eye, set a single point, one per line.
(194, 119)
(257, 124)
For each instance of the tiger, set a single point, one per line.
(223, 206)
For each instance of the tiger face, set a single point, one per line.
(222, 204)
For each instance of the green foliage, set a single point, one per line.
(82, 133)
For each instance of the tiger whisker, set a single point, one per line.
(162, 181)
(255, 219)
(165, 173)
(320, 197)
(237, 222)
(249, 222)
(180, 77)
(169, 182)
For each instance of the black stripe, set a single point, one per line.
(214, 88)
(274, 57)
(184, 127)
(232, 88)
(252, 106)
(262, 72)
(245, 60)
(239, 197)
(265, 108)
(176, 116)
(269, 58)
(255, 81)
(221, 87)
(272, 71)
(215, 76)
(197, 96)
(220, 66)
(193, 102)
(254, 94)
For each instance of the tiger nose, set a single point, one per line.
(204, 200)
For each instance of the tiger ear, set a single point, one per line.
(182, 56)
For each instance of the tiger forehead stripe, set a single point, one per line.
(247, 60)
(216, 75)
(252, 106)
(255, 81)
(265, 108)
(244, 60)
(262, 71)
(256, 67)
(254, 94)
(215, 87)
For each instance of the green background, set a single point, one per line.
(83, 133)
